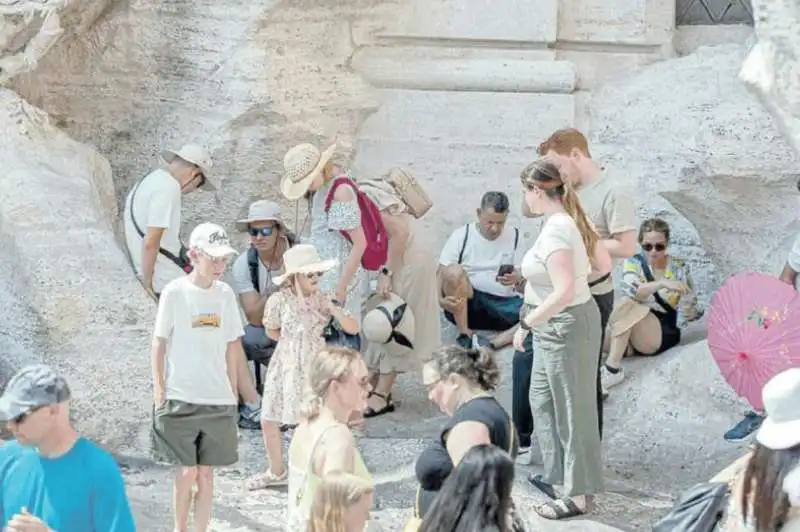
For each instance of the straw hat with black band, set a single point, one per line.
(301, 166)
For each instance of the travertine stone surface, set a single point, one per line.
(70, 278)
(772, 69)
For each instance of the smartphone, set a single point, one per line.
(505, 269)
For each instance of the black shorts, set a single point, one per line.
(488, 312)
(670, 333)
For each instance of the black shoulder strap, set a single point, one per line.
(252, 264)
(648, 274)
(463, 244)
(645, 267)
(182, 260)
(516, 238)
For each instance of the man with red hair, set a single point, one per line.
(610, 207)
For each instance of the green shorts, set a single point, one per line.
(192, 435)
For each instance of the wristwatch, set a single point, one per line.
(524, 326)
(386, 271)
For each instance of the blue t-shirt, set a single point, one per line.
(81, 491)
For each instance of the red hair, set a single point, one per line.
(564, 141)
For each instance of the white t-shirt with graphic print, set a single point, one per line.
(198, 324)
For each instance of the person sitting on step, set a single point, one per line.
(479, 275)
(251, 276)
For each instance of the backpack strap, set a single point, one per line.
(516, 239)
(463, 244)
(252, 264)
(337, 182)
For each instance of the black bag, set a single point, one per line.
(257, 345)
(700, 509)
(334, 335)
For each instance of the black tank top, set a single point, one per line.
(434, 464)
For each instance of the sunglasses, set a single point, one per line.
(20, 419)
(651, 247)
(261, 231)
(313, 275)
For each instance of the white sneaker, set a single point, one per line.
(608, 379)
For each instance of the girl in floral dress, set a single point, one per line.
(295, 317)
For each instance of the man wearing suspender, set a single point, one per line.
(479, 275)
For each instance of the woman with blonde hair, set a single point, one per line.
(565, 321)
(342, 504)
(323, 442)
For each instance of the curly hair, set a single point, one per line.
(475, 365)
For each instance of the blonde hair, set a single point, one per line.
(335, 494)
(545, 175)
(330, 364)
(563, 141)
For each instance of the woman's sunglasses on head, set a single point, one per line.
(261, 231)
(651, 247)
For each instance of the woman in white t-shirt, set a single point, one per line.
(565, 321)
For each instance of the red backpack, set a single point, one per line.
(377, 251)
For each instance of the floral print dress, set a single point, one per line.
(325, 236)
(301, 322)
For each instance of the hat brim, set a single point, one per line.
(208, 182)
(321, 266)
(378, 339)
(243, 226)
(219, 252)
(294, 190)
(778, 436)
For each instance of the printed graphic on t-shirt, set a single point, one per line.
(208, 320)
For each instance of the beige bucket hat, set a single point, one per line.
(301, 165)
(303, 258)
(260, 211)
(197, 155)
(390, 323)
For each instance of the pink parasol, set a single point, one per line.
(754, 332)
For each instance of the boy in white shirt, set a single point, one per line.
(194, 355)
(474, 293)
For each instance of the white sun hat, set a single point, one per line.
(303, 258)
(301, 165)
(781, 428)
(198, 156)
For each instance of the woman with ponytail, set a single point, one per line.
(323, 443)
(567, 336)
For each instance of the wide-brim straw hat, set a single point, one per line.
(389, 323)
(303, 258)
(198, 156)
(260, 211)
(301, 165)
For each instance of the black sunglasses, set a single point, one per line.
(651, 247)
(20, 419)
(312, 275)
(261, 231)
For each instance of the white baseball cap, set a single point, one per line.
(212, 240)
(781, 429)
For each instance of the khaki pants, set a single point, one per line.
(195, 435)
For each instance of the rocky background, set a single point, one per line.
(96, 88)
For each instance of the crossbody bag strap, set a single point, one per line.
(463, 244)
(310, 466)
(648, 275)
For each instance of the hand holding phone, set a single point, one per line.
(503, 271)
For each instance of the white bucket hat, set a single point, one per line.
(389, 322)
(212, 240)
(781, 428)
(260, 211)
(303, 258)
(301, 165)
(196, 155)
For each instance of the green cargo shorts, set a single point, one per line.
(195, 435)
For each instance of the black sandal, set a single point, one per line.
(558, 509)
(537, 481)
(388, 407)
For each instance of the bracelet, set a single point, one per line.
(336, 302)
(524, 326)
